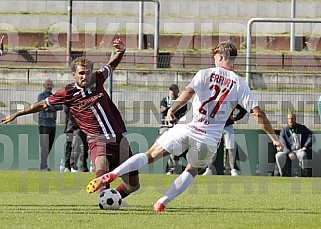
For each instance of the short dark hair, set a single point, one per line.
(81, 61)
(173, 87)
(227, 49)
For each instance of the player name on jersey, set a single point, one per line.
(216, 78)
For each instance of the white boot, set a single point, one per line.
(207, 172)
(234, 173)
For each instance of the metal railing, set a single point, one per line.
(265, 20)
(167, 60)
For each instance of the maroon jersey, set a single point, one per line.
(91, 107)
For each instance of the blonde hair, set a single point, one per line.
(81, 61)
(227, 49)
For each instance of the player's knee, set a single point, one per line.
(150, 157)
(156, 152)
(192, 170)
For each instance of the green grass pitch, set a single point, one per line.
(58, 200)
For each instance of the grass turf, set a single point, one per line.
(55, 200)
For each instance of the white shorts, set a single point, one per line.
(176, 141)
(229, 139)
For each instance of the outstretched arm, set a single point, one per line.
(120, 50)
(265, 125)
(179, 102)
(36, 107)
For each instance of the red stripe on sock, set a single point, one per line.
(122, 190)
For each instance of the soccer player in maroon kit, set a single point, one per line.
(96, 115)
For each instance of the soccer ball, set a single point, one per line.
(109, 199)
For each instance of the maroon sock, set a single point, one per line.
(100, 173)
(122, 190)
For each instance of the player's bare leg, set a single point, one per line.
(101, 164)
(133, 163)
(130, 184)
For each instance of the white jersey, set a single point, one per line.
(217, 92)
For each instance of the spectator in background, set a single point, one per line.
(229, 142)
(166, 103)
(1, 45)
(47, 125)
(69, 135)
(76, 145)
(79, 151)
(297, 140)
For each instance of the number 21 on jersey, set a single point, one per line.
(219, 96)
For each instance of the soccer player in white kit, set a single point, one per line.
(216, 93)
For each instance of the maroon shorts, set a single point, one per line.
(117, 151)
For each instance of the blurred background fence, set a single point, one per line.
(280, 82)
(299, 62)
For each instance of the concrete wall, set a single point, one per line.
(92, 43)
(184, 16)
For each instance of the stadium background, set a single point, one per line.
(281, 81)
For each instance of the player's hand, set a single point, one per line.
(1, 40)
(170, 118)
(304, 148)
(8, 118)
(292, 156)
(278, 145)
(119, 45)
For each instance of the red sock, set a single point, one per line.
(100, 173)
(122, 190)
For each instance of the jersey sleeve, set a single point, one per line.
(245, 97)
(58, 98)
(105, 72)
(196, 82)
